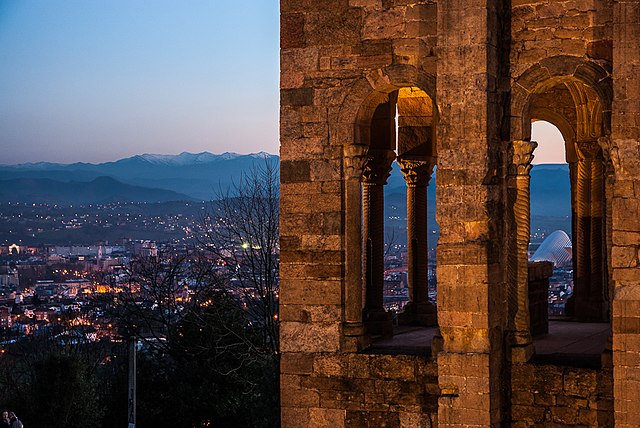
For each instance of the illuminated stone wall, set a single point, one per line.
(490, 68)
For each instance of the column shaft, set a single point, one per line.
(609, 184)
(596, 296)
(523, 225)
(417, 238)
(373, 195)
(353, 327)
(375, 174)
(582, 260)
(417, 174)
(519, 180)
(573, 180)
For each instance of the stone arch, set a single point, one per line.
(584, 118)
(353, 131)
(550, 72)
(367, 92)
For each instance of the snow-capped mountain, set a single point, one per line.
(186, 158)
(198, 175)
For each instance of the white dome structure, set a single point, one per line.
(556, 248)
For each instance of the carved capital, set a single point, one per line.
(355, 156)
(377, 167)
(610, 155)
(417, 172)
(522, 157)
(588, 151)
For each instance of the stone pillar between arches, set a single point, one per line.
(518, 185)
(354, 337)
(375, 174)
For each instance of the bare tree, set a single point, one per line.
(242, 232)
(157, 293)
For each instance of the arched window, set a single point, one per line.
(399, 133)
(576, 110)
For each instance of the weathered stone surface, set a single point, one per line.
(489, 68)
(296, 97)
(569, 396)
(292, 30)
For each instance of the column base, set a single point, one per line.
(378, 323)
(353, 329)
(598, 311)
(570, 306)
(422, 314)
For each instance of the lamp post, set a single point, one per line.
(132, 382)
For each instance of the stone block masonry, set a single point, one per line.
(455, 85)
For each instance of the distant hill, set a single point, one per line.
(550, 190)
(98, 190)
(550, 201)
(198, 175)
(201, 175)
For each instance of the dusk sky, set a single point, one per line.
(95, 81)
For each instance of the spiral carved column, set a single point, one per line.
(609, 182)
(582, 252)
(374, 176)
(417, 174)
(519, 180)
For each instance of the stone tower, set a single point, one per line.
(455, 85)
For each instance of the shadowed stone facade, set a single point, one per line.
(456, 85)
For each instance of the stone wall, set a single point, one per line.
(546, 395)
(546, 28)
(359, 390)
(489, 67)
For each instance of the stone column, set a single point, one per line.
(609, 184)
(353, 327)
(607, 277)
(569, 309)
(597, 237)
(376, 171)
(589, 290)
(518, 182)
(582, 252)
(417, 173)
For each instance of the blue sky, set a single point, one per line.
(97, 80)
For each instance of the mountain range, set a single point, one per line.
(197, 176)
(550, 199)
(200, 176)
(100, 190)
